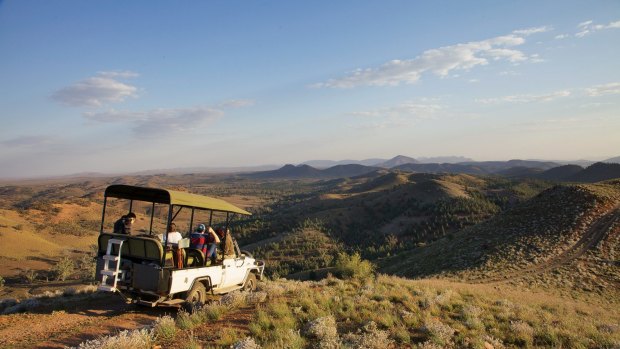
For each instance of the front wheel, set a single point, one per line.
(197, 295)
(250, 283)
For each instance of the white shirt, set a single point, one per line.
(173, 237)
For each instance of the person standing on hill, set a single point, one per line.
(124, 224)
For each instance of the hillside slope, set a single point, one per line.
(540, 242)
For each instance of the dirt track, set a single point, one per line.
(76, 323)
(592, 235)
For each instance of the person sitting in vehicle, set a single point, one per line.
(228, 247)
(212, 241)
(124, 224)
(173, 236)
(197, 239)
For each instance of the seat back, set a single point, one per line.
(135, 247)
(194, 257)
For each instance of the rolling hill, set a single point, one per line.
(309, 172)
(540, 242)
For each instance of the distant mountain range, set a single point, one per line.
(615, 160)
(513, 168)
(388, 163)
(306, 171)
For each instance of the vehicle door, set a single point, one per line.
(235, 270)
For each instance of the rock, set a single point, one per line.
(488, 345)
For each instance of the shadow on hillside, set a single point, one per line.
(41, 259)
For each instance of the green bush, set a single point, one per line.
(353, 266)
(165, 329)
(29, 275)
(63, 269)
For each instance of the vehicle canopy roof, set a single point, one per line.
(171, 197)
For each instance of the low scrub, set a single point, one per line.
(353, 266)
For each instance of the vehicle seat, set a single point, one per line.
(175, 257)
(194, 257)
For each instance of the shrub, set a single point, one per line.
(234, 299)
(213, 312)
(439, 332)
(136, 339)
(323, 332)
(165, 329)
(63, 269)
(88, 267)
(521, 333)
(185, 320)
(352, 266)
(228, 336)
(370, 338)
(29, 275)
(246, 343)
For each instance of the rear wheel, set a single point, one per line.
(250, 283)
(197, 295)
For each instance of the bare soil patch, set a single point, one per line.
(75, 324)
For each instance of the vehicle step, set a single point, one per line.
(147, 303)
(173, 302)
(109, 272)
(110, 257)
(106, 288)
(226, 289)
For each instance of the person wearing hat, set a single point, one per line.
(197, 239)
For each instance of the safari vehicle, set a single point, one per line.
(149, 271)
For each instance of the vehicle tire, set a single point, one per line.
(250, 283)
(244, 252)
(197, 295)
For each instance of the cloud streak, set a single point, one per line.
(441, 61)
(97, 91)
(526, 98)
(160, 122)
(29, 141)
(403, 114)
(611, 88)
(588, 27)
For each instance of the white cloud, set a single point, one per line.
(562, 36)
(611, 88)
(160, 122)
(440, 61)
(122, 74)
(588, 27)
(584, 24)
(97, 91)
(530, 31)
(605, 89)
(237, 103)
(508, 73)
(526, 98)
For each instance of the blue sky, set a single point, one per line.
(120, 86)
